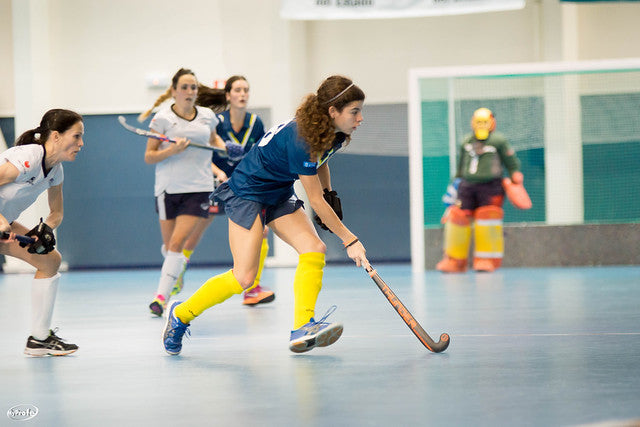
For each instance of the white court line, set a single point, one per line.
(549, 335)
(454, 335)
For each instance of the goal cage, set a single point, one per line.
(575, 127)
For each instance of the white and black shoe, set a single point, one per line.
(51, 346)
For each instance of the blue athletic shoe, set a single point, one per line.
(174, 330)
(315, 334)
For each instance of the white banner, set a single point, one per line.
(380, 9)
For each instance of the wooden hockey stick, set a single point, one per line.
(408, 318)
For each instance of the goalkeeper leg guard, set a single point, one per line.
(214, 291)
(489, 238)
(457, 240)
(307, 283)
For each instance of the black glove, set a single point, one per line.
(46, 240)
(334, 201)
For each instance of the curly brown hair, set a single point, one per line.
(314, 122)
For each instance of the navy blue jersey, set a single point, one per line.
(251, 132)
(267, 173)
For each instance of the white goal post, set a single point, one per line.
(561, 99)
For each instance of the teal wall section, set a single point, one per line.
(611, 182)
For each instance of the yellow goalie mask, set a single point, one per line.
(482, 123)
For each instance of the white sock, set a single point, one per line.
(43, 298)
(171, 268)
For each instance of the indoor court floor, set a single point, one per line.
(529, 347)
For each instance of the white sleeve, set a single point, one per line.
(159, 123)
(214, 123)
(25, 158)
(58, 178)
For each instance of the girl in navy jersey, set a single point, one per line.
(184, 178)
(27, 170)
(240, 130)
(260, 191)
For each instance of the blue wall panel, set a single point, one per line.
(7, 125)
(110, 220)
(375, 200)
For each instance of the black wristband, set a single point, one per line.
(352, 243)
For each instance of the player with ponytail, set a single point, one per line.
(33, 166)
(260, 192)
(184, 178)
(240, 130)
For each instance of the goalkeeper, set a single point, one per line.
(484, 155)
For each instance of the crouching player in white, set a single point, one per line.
(27, 170)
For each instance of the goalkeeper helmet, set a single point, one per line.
(482, 123)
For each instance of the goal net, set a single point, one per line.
(575, 127)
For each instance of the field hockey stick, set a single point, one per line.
(161, 137)
(408, 318)
(22, 239)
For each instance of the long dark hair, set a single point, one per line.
(215, 98)
(57, 119)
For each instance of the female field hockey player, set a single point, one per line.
(29, 168)
(260, 191)
(184, 178)
(240, 130)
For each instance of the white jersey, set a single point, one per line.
(17, 196)
(189, 171)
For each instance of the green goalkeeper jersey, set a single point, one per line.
(483, 161)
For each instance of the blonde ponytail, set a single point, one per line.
(166, 95)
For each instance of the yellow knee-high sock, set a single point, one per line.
(214, 291)
(264, 249)
(307, 283)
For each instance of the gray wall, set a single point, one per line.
(544, 246)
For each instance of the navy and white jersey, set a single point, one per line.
(189, 171)
(251, 132)
(267, 173)
(17, 196)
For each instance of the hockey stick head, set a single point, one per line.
(412, 323)
(127, 126)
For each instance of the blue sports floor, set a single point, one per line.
(529, 347)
